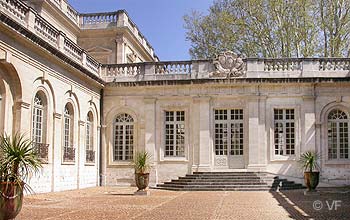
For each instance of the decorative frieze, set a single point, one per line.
(228, 65)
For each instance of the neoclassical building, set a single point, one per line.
(89, 91)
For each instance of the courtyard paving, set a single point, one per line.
(120, 203)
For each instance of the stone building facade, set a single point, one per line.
(89, 91)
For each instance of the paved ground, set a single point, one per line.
(120, 203)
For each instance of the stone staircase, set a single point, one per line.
(229, 181)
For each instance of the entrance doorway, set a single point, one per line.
(228, 138)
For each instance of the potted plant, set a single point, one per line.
(142, 166)
(309, 162)
(18, 161)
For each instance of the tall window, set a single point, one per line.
(228, 132)
(284, 134)
(39, 126)
(174, 133)
(39, 115)
(123, 138)
(338, 135)
(90, 153)
(68, 118)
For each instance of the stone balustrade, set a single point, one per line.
(68, 10)
(182, 67)
(204, 69)
(288, 64)
(98, 20)
(46, 30)
(17, 9)
(175, 70)
(113, 19)
(30, 19)
(73, 50)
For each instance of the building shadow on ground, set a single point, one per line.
(328, 203)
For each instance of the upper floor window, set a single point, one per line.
(338, 135)
(89, 141)
(123, 138)
(39, 118)
(68, 134)
(284, 133)
(174, 133)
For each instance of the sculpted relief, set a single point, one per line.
(228, 64)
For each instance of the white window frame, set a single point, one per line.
(163, 106)
(39, 134)
(271, 124)
(68, 132)
(337, 122)
(284, 121)
(89, 136)
(131, 149)
(229, 122)
(175, 123)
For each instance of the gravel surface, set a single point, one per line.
(120, 203)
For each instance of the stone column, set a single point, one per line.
(204, 143)
(120, 49)
(257, 135)
(150, 136)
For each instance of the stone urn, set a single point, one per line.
(11, 199)
(311, 180)
(141, 180)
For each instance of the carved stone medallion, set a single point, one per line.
(228, 64)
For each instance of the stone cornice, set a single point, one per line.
(230, 81)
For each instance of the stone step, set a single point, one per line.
(215, 189)
(216, 183)
(211, 186)
(219, 177)
(219, 180)
(229, 181)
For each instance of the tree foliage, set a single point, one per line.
(271, 28)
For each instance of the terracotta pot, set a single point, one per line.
(311, 180)
(11, 199)
(142, 180)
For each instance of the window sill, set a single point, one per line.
(283, 158)
(89, 164)
(338, 162)
(174, 159)
(68, 163)
(121, 164)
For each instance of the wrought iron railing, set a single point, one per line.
(69, 154)
(90, 156)
(42, 150)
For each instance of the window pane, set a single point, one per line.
(284, 131)
(174, 133)
(123, 137)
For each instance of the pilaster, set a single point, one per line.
(204, 145)
(257, 149)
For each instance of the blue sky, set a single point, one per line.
(161, 21)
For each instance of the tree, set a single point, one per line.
(270, 28)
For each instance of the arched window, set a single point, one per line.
(123, 138)
(39, 115)
(338, 135)
(68, 134)
(89, 139)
